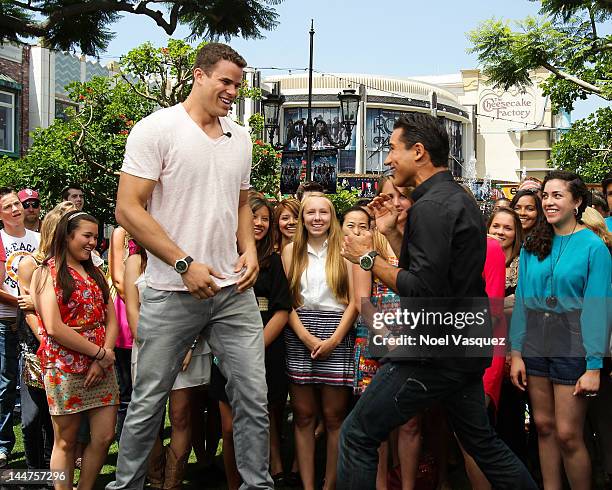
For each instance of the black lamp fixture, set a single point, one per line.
(349, 108)
(309, 129)
(271, 109)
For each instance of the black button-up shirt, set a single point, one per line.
(443, 249)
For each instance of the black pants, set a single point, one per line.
(398, 392)
(123, 366)
(36, 426)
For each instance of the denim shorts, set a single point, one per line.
(553, 346)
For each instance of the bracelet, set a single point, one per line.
(96, 356)
(194, 345)
(102, 354)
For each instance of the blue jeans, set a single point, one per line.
(169, 323)
(398, 392)
(9, 370)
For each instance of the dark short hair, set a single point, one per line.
(65, 192)
(606, 182)
(356, 209)
(6, 190)
(427, 130)
(210, 54)
(308, 187)
(598, 199)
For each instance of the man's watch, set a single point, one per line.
(366, 262)
(181, 265)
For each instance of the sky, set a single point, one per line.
(400, 38)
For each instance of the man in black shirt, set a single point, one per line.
(442, 256)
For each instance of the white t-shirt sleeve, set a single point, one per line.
(245, 183)
(143, 153)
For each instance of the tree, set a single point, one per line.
(87, 147)
(587, 147)
(85, 24)
(567, 43)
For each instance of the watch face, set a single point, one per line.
(181, 266)
(366, 262)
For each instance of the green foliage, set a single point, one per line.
(265, 171)
(87, 148)
(587, 147)
(569, 47)
(343, 199)
(86, 25)
(162, 75)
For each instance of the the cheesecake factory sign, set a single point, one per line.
(515, 106)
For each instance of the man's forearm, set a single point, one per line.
(148, 233)
(8, 299)
(245, 237)
(386, 272)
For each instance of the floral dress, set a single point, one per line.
(65, 370)
(366, 366)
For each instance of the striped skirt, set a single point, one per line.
(338, 369)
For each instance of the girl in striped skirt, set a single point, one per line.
(320, 362)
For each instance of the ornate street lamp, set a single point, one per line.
(309, 129)
(271, 109)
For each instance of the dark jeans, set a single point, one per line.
(398, 392)
(123, 366)
(9, 370)
(36, 426)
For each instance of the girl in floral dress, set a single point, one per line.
(78, 335)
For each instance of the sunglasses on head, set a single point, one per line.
(32, 204)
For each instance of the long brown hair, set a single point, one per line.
(540, 241)
(518, 231)
(47, 229)
(293, 206)
(59, 248)
(336, 272)
(265, 246)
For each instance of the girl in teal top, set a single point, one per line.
(559, 327)
(580, 280)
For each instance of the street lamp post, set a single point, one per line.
(349, 108)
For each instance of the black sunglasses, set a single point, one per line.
(33, 204)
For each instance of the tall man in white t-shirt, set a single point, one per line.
(17, 242)
(190, 166)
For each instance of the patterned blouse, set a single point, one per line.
(86, 312)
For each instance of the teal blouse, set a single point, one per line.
(581, 280)
(609, 222)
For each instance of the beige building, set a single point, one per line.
(508, 133)
(514, 129)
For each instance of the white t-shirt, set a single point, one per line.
(198, 183)
(16, 248)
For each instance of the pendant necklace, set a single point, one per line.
(552, 301)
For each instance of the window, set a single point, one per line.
(7, 122)
(60, 109)
(294, 136)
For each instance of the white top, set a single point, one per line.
(198, 182)
(315, 292)
(16, 249)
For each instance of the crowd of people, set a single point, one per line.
(225, 303)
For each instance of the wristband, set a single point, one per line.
(96, 355)
(194, 345)
(102, 354)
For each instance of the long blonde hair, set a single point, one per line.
(595, 222)
(336, 272)
(47, 229)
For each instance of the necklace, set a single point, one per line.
(552, 301)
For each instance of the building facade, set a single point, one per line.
(494, 134)
(14, 98)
